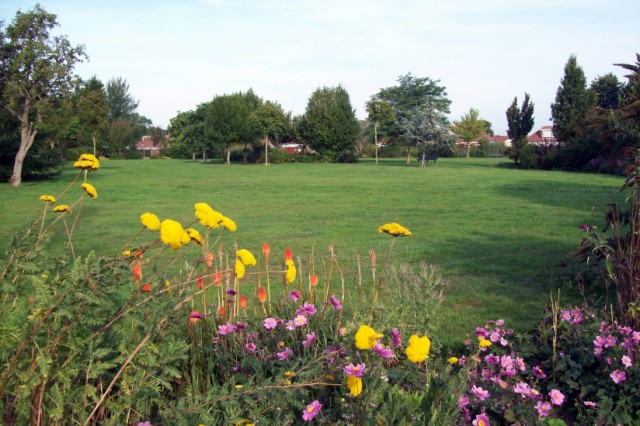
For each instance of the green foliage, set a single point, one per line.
(426, 129)
(120, 103)
(529, 157)
(329, 125)
(573, 100)
(470, 127)
(520, 123)
(608, 91)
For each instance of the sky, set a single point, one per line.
(177, 54)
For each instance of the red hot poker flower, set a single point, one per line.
(313, 280)
(137, 272)
(243, 301)
(200, 282)
(146, 287)
(262, 295)
(217, 278)
(209, 260)
(288, 255)
(266, 249)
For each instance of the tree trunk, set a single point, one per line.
(468, 148)
(27, 136)
(228, 160)
(266, 151)
(375, 138)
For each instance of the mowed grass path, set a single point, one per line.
(494, 233)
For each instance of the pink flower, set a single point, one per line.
(300, 321)
(250, 347)
(543, 408)
(520, 364)
(523, 389)
(480, 393)
(307, 309)
(492, 359)
(506, 362)
(494, 337)
(383, 351)
(537, 371)
(289, 325)
(294, 295)
(618, 376)
(481, 420)
(590, 404)
(226, 329)
(626, 360)
(463, 401)
(500, 322)
(597, 351)
(481, 332)
(270, 323)
(284, 354)
(355, 370)
(557, 398)
(311, 337)
(599, 342)
(335, 302)
(396, 338)
(311, 411)
(609, 342)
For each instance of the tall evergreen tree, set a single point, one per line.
(608, 91)
(573, 100)
(329, 124)
(120, 102)
(520, 123)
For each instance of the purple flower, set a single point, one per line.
(311, 411)
(226, 329)
(270, 323)
(294, 295)
(147, 423)
(307, 309)
(492, 359)
(626, 360)
(396, 338)
(522, 389)
(599, 342)
(284, 354)
(557, 397)
(481, 420)
(300, 321)
(481, 332)
(625, 331)
(618, 376)
(537, 371)
(520, 364)
(311, 337)
(240, 326)
(544, 408)
(506, 361)
(590, 404)
(231, 292)
(196, 315)
(355, 370)
(500, 322)
(463, 401)
(383, 351)
(479, 392)
(336, 302)
(250, 347)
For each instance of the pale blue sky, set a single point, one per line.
(177, 54)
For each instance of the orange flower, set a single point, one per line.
(209, 259)
(313, 280)
(137, 272)
(288, 255)
(221, 311)
(243, 301)
(266, 249)
(200, 282)
(146, 287)
(217, 278)
(262, 295)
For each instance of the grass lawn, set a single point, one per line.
(494, 233)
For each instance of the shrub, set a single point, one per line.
(529, 157)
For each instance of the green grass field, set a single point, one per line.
(494, 233)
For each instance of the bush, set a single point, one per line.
(529, 157)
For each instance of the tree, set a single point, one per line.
(608, 90)
(380, 112)
(520, 123)
(411, 93)
(35, 69)
(272, 123)
(120, 102)
(93, 111)
(470, 127)
(573, 100)
(228, 120)
(427, 129)
(120, 135)
(329, 124)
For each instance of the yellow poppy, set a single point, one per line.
(239, 269)
(418, 349)
(291, 271)
(355, 385)
(207, 216)
(150, 220)
(171, 233)
(90, 190)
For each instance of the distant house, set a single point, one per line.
(462, 145)
(543, 137)
(149, 149)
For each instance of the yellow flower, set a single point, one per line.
(355, 385)
(484, 343)
(150, 220)
(171, 233)
(394, 229)
(62, 208)
(453, 360)
(207, 216)
(366, 337)
(126, 253)
(239, 269)
(49, 198)
(90, 190)
(228, 223)
(87, 162)
(167, 286)
(291, 271)
(195, 236)
(418, 349)
(246, 257)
